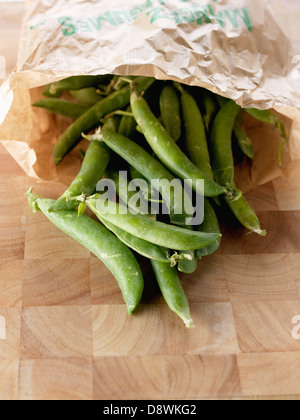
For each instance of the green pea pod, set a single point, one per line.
(195, 135)
(170, 112)
(93, 167)
(144, 248)
(209, 225)
(167, 150)
(143, 227)
(90, 119)
(152, 169)
(221, 144)
(54, 90)
(106, 246)
(127, 125)
(188, 265)
(172, 291)
(61, 107)
(87, 96)
(245, 214)
(268, 117)
(210, 110)
(244, 142)
(222, 101)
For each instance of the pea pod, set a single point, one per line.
(167, 150)
(268, 117)
(223, 166)
(210, 109)
(106, 246)
(209, 225)
(74, 83)
(195, 134)
(172, 291)
(144, 248)
(167, 236)
(170, 112)
(93, 167)
(221, 144)
(61, 107)
(88, 96)
(90, 119)
(244, 142)
(152, 169)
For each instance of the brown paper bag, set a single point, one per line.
(232, 47)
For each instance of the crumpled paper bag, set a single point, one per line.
(234, 48)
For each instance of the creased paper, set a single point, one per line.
(232, 47)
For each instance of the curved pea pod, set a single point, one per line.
(170, 112)
(195, 134)
(91, 118)
(245, 214)
(93, 167)
(88, 96)
(210, 110)
(221, 144)
(106, 246)
(172, 291)
(244, 142)
(268, 117)
(144, 248)
(54, 90)
(143, 227)
(209, 225)
(61, 107)
(168, 151)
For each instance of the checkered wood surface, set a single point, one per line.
(69, 336)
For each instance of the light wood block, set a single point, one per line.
(56, 379)
(56, 332)
(270, 374)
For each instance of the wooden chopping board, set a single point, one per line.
(68, 335)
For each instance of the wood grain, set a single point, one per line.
(68, 333)
(56, 379)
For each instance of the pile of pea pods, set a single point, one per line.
(140, 128)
